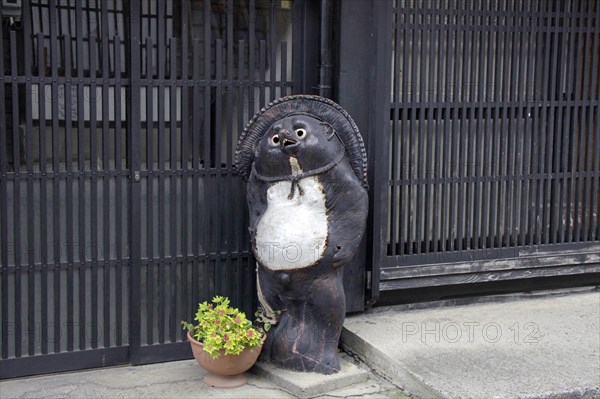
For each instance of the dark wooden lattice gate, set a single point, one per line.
(120, 208)
(489, 155)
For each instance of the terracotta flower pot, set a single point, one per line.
(226, 371)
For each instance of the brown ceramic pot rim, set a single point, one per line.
(194, 340)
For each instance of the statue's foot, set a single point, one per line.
(295, 346)
(329, 364)
(304, 364)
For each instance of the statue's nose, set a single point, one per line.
(287, 138)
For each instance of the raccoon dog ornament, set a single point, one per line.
(305, 164)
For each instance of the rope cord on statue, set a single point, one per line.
(295, 179)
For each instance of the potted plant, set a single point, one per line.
(224, 342)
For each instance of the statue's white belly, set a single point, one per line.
(292, 233)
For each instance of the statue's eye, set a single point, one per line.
(275, 140)
(300, 133)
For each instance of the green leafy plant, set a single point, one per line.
(220, 326)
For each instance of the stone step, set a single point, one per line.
(308, 385)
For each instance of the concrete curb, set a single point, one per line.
(385, 366)
(542, 347)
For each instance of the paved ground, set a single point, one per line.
(546, 346)
(538, 346)
(180, 380)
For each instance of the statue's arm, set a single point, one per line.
(348, 217)
(256, 195)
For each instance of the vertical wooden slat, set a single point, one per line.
(472, 150)
(88, 18)
(43, 200)
(239, 192)
(404, 135)
(17, 217)
(29, 158)
(207, 132)
(81, 181)
(4, 207)
(120, 266)
(450, 71)
(160, 262)
(393, 218)
(398, 131)
(562, 134)
(185, 166)
(407, 113)
(490, 135)
(404, 112)
(454, 170)
(69, 193)
(495, 233)
(421, 162)
(577, 153)
(451, 43)
(56, 214)
(569, 148)
(495, 126)
(134, 163)
(512, 135)
(428, 162)
(196, 144)
(218, 176)
(505, 131)
(547, 118)
(516, 132)
(251, 56)
(273, 49)
(463, 128)
(97, 8)
(150, 295)
(532, 116)
(521, 179)
(94, 189)
(262, 67)
(584, 24)
(173, 283)
(520, 122)
(463, 132)
(106, 219)
(420, 159)
(539, 117)
(593, 125)
(284, 87)
(528, 219)
(555, 131)
(595, 200)
(401, 133)
(440, 144)
(431, 210)
(412, 165)
(229, 146)
(480, 134)
(580, 118)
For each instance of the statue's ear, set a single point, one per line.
(329, 130)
